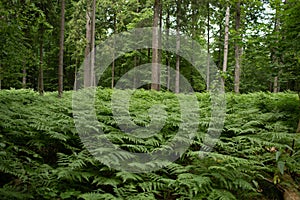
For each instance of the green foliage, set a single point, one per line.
(42, 157)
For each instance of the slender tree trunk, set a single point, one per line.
(274, 57)
(155, 66)
(87, 61)
(275, 86)
(237, 49)
(167, 53)
(113, 62)
(226, 40)
(208, 48)
(160, 35)
(24, 77)
(194, 27)
(92, 50)
(41, 70)
(61, 50)
(177, 77)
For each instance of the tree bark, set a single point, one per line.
(113, 62)
(160, 35)
(167, 53)
(177, 76)
(89, 76)
(61, 50)
(226, 40)
(275, 86)
(155, 67)
(87, 61)
(237, 49)
(208, 48)
(93, 78)
(24, 78)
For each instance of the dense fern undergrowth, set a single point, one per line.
(42, 156)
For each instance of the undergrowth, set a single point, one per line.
(42, 156)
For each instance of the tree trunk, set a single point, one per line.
(237, 49)
(275, 86)
(155, 67)
(226, 40)
(113, 62)
(89, 76)
(92, 50)
(87, 63)
(41, 71)
(24, 77)
(298, 128)
(177, 76)
(167, 53)
(160, 35)
(208, 48)
(61, 50)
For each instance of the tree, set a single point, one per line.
(226, 41)
(155, 85)
(208, 48)
(89, 79)
(61, 50)
(178, 18)
(237, 48)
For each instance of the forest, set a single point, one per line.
(150, 99)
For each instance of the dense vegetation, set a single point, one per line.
(42, 156)
(249, 47)
(263, 40)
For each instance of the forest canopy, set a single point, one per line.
(256, 48)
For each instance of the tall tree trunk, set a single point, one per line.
(177, 76)
(274, 57)
(61, 50)
(93, 31)
(226, 40)
(167, 53)
(160, 35)
(208, 48)
(41, 70)
(87, 60)
(237, 49)
(155, 66)
(89, 76)
(113, 62)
